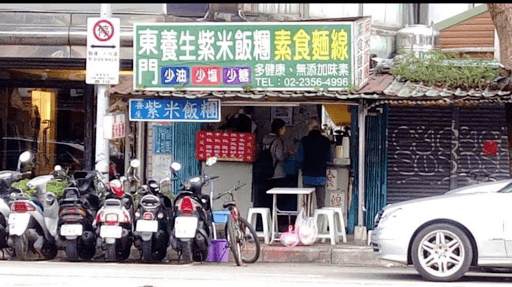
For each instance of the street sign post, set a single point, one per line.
(103, 41)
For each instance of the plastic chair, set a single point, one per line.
(266, 218)
(330, 217)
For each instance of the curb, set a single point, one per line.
(338, 255)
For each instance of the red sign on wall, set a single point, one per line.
(226, 146)
(490, 147)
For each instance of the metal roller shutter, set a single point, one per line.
(419, 144)
(476, 126)
(425, 143)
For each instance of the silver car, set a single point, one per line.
(443, 236)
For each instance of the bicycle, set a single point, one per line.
(240, 234)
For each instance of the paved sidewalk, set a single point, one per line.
(342, 254)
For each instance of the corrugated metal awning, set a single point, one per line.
(380, 87)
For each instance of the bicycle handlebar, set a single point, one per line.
(229, 191)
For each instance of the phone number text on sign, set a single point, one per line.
(316, 82)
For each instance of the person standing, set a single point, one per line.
(278, 151)
(312, 156)
(275, 141)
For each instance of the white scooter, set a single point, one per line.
(113, 222)
(33, 222)
(7, 193)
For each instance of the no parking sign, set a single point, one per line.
(103, 41)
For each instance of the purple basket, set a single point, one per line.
(218, 251)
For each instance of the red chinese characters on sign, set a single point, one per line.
(226, 146)
(206, 75)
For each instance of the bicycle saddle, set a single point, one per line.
(228, 204)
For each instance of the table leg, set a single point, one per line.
(274, 218)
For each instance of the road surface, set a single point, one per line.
(96, 274)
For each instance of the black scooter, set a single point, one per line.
(192, 228)
(78, 208)
(152, 228)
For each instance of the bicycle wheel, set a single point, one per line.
(250, 244)
(232, 233)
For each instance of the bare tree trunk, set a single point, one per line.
(501, 14)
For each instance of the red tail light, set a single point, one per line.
(99, 217)
(22, 207)
(72, 210)
(148, 216)
(186, 207)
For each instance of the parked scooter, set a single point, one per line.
(192, 226)
(78, 208)
(152, 220)
(33, 221)
(7, 193)
(113, 222)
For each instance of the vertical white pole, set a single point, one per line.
(360, 235)
(102, 155)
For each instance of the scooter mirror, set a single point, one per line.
(25, 156)
(176, 166)
(57, 168)
(135, 163)
(211, 161)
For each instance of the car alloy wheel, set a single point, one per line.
(442, 252)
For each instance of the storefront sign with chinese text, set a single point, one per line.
(162, 139)
(241, 56)
(114, 126)
(175, 110)
(226, 146)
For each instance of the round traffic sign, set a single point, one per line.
(103, 30)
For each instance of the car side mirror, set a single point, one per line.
(25, 157)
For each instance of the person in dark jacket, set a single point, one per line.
(312, 156)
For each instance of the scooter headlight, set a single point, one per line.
(137, 214)
(13, 195)
(160, 215)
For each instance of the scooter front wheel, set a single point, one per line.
(49, 251)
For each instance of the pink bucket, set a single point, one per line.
(218, 251)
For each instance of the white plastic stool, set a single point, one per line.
(266, 218)
(341, 228)
(330, 217)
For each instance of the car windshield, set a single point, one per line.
(506, 189)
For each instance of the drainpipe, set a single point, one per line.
(360, 235)
(102, 155)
